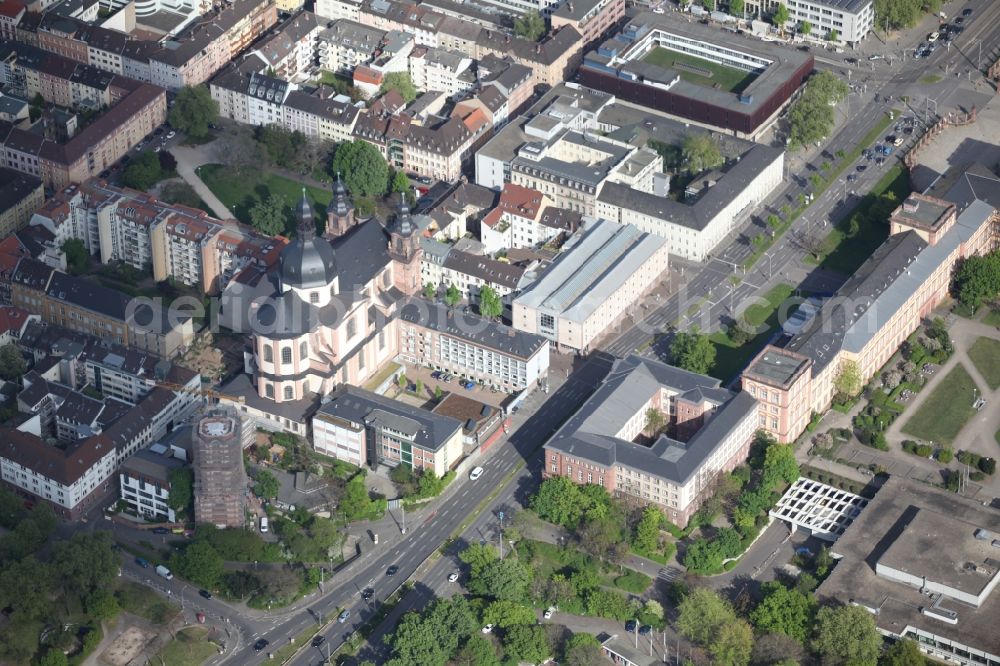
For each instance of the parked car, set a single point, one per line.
(161, 530)
(470, 385)
(205, 593)
(261, 644)
(861, 167)
(436, 374)
(548, 612)
(645, 629)
(630, 626)
(898, 141)
(967, 11)
(424, 180)
(142, 563)
(171, 134)
(933, 37)
(475, 473)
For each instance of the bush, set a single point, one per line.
(944, 456)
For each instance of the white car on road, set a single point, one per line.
(453, 576)
(475, 473)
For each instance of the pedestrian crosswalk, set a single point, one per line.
(668, 574)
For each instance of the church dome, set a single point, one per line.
(308, 262)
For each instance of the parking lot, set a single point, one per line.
(451, 384)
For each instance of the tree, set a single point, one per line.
(780, 17)
(265, 485)
(433, 636)
(477, 651)
(199, 563)
(528, 643)
(805, 28)
(530, 25)
(811, 117)
(430, 291)
(504, 579)
(355, 503)
(608, 603)
(143, 172)
(784, 611)
(602, 537)
(180, 193)
(700, 152)
(833, 35)
(505, 614)
(558, 501)
(77, 257)
(452, 296)
(904, 652)
(24, 588)
(737, 8)
(362, 167)
(655, 421)
(709, 5)
(12, 364)
(848, 380)
(490, 305)
(478, 556)
(780, 466)
(733, 644)
(701, 615)
(101, 604)
(582, 650)
(86, 562)
(52, 657)
(269, 216)
(977, 280)
(692, 351)
(194, 109)
(903, 13)
(647, 531)
(401, 83)
(168, 163)
(774, 649)
(400, 183)
(181, 488)
(846, 635)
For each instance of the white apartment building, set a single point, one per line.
(441, 70)
(603, 271)
(145, 484)
(346, 44)
(434, 336)
(694, 227)
(339, 9)
(72, 479)
(852, 19)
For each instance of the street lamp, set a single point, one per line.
(501, 534)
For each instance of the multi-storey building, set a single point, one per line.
(552, 61)
(591, 18)
(364, 428)
(851, 19)
(868, 318)
(290, 49)
(441, 70)
(708, 430)
(20, 196)
(434, 336)
(345, 44)
(72, 480)
(145, 484)
(85, 306)
(604, 269)
(178, 242)
(220, 481)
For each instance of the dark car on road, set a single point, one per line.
(860, 168)
(967, 12)
(261, 644)
(161, 530)
(367, 593)
(205, 593)
(317, 640)
(391, 571)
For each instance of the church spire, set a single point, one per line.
(304, 213)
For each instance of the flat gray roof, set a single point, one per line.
(593, 264)
(776, 366)
(889, 520)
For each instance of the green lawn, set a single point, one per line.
(845, 254)
(992, 318)
(929, 78)
(731, 358)
(946, 410)
(633, 581)
(728, 78)
(985, 355)
(189, 648)
(240, 194)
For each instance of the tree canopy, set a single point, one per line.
(193, 111)
(270, 216)
(692, 351)
(977, 280)
(780, 16)
(401, 83)
(266, 485)
(490, 305)
(700, 152)
(452, 296)
(430, 638)
(528, 643)
(903, 13)
(702, 613)
(846, 635)
(848, 381)
(784, 611)
(12, 364)
(362, 167)
(811, 116)
(181, 488)
(530, 25)
(143, 172)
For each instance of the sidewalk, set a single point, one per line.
(188, 160)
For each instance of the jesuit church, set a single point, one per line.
(324, 316)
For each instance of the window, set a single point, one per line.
(269, 391)
(352, 328)
(289, 393)
(314, 297)
(286, 354)
(303, 350)
(268, 354)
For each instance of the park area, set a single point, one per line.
(190, 647)
(240, 193)
(731, 356)
(985, 355)
(700, 71)
(940, 418)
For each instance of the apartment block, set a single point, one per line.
(145, 484)
(591, 18)
(851, 19)
(20, 196)
(289, 50)
(434, 336)
(707, 433)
